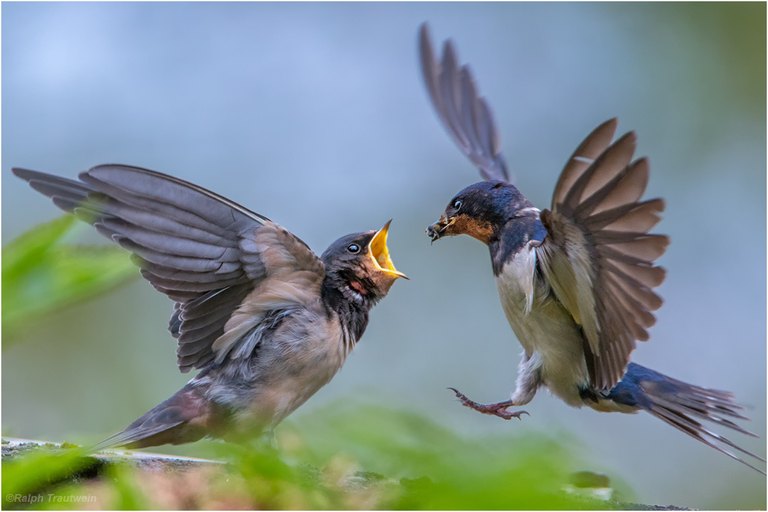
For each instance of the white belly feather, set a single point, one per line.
(543, 326)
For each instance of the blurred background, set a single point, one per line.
(315, 116)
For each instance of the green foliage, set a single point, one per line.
(28, 480)
(41, 274)
(343, 457)
(436, 467)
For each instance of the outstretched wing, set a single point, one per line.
(462, 111)
(224, 265)
(599, 255)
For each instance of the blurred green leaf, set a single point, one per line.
(343, 457)
(28, 479)
(436, 467)
(41, 274)
(127, 493)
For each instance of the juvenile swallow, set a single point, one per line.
(575, 281)
(266, 321)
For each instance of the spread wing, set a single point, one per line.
(462, 111)
(599, 255)
(225, 266)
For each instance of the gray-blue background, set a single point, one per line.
(315, 115)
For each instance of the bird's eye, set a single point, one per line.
(457, 204)
(353, 248)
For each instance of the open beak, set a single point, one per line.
(437, 230)
(379, 252)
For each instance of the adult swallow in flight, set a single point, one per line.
(575, 281)
(266, 321)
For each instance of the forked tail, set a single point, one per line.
(681, 405)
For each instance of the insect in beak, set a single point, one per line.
(437, 230)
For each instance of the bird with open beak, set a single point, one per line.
(576, 281)
(266, 321)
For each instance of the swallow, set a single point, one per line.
(576, 281)
(265, 321)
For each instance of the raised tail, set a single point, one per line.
(180, 419)
(681, 405)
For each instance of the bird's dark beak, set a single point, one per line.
(437, 230)
(379, 252)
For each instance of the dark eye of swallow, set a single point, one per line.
(353, 248)
(457, 204)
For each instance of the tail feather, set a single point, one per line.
(705, 401)
(180, 419)
(679, 404)
(696, 430)
(135, 437)
(702, 413)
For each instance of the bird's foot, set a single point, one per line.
(500, 409)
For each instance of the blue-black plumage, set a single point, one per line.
(576, 282)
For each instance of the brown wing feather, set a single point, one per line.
(587, 152)
(599, 256)
(202, 250)
(464, 113)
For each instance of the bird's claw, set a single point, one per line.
(500, 409)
